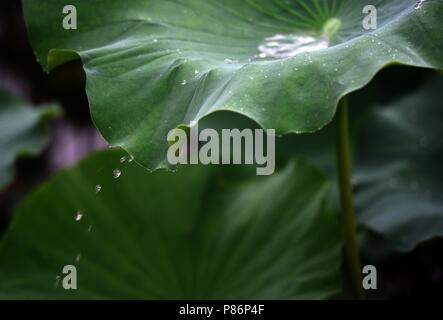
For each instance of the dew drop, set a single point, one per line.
(116, 173)
(98, 188)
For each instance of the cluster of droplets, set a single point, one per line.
(79, 215)
(184, 82)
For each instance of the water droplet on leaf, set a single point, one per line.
(116, 173)
(283, 46)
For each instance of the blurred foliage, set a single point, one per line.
(397, 150)
(23, 132)
(194, 234)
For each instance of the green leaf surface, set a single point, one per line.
(194, 234)
(23, 132)
(397, 177)
(153, 65)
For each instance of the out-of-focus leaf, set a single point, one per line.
(397, 151)
(190, 234)
(152, 65)
(22, 132)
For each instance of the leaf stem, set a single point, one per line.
(347, 199)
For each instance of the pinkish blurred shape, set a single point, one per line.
(71, 143)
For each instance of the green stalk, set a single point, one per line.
(347, 199)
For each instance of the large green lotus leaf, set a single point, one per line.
(397, 152)
(192, 234)
(153, 65)
(22, 132)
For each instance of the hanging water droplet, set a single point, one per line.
(98, 188)
(283, 46)
(78, 216)
(116, 173)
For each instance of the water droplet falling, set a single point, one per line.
(116, 173)
(78, 257)
(78, 216)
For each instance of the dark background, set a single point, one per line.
(418, 274)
